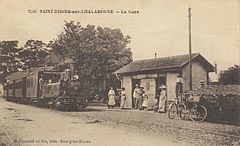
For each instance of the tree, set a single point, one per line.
(98, 52)
(230, 76)
(33, 54)
(9, 61)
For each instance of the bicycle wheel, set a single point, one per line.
(198, 113)
(172, 111)
(182, 112)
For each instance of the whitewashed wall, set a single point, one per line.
(149, 85)
(198, 74)
(127, 83)
(171, 85)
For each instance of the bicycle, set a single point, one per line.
(188, 108)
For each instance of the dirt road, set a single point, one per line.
(203, 133)
(27, 125)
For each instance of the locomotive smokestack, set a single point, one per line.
(72, 68)
(71, 65)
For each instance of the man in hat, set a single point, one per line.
(140, 99)
(123, 99)
(162, 99)
(136, 96)
(179, 83)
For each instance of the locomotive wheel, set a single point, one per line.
(59, 106)
(82, 108)
(65, 108)
(7, 98)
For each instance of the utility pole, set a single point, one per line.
(190, 50)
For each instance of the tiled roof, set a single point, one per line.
(16, 76)
(37, 69)
(159, 63)
(22, 74)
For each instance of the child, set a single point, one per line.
(145, 102)
(156, 101)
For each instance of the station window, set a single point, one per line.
(30, 82)
(18, 85)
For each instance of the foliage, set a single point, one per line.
(14, 58)
(230, 76)
(226, 96)
(218, 90)
(9, 61)
(33, 54)
(97, 51)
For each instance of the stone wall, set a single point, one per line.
(198, 74)
(127, 83)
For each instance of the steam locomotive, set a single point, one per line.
(44, 86)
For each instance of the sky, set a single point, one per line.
(160, 26)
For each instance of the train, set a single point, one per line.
(44, 86)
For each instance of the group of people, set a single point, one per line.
(140, 99)
(111, 98)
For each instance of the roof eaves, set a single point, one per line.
(211, 67)
(197, 54)
(149, 69)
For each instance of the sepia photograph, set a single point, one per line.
(120, 73)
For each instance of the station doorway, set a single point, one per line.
(134, 83)
(160, 80)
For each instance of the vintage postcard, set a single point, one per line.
(119, 73)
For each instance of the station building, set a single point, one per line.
(152, 73)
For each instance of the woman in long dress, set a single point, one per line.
(111, 98)
(123, 99)
(162, 99)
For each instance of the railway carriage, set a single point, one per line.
(5, 91)
(46, 88)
